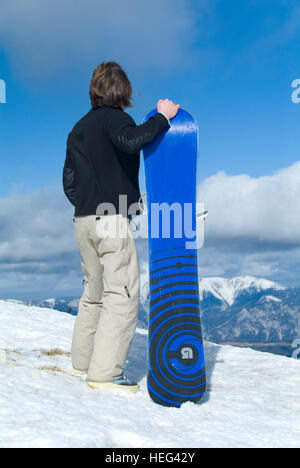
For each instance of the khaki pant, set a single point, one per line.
(108, 309)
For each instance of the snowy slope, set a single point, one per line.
(253, 398)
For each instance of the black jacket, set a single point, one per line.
(103, 158)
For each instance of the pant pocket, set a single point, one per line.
(93, 284)
(111, 234)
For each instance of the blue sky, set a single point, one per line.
(231, 64)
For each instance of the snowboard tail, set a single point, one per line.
(176, 372)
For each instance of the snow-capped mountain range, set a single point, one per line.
(63, 304)
(244, 309)
(227, 290)
(247, 309)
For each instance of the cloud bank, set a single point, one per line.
(253, 228)
(37, 251)
(263, 211)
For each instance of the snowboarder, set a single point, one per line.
(102, 163)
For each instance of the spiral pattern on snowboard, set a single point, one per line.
(176, 359)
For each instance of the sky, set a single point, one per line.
(230, 64)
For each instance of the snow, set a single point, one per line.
(272, 299)
(228, 289)
(253, 398)
(74, 303)
(51, 302)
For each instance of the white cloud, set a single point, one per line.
(263, 211)
(43, 36)
(31, 285)
(226, 261)
(35, 226)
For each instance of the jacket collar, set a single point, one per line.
(110, 107)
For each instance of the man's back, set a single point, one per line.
(103, 158)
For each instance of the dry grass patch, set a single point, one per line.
(55, 352)
(50, 369)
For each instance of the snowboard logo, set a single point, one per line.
(187, 353)
(184, 358)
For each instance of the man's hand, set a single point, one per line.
(168, 107)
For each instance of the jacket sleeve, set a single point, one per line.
(131, 138)
(69, 179)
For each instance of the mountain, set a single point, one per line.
(248, 309)
(228, 290)
(250, 396)
(64, 304)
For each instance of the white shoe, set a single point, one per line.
(123, 383)
(79, 372)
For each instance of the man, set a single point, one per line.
(102, 163)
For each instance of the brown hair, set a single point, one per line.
(110, 86)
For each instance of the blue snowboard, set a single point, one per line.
(176, 366)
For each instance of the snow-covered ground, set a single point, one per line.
(253, 398)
